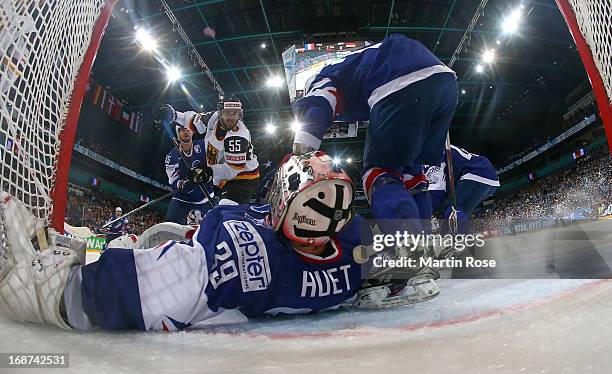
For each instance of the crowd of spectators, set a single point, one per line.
(93, 208)
(580, 192)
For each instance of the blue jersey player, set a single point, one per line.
(188, 176)
(118, 227)
(408, 96)
(294, 256)
(475, 180)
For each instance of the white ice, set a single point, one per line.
(474, 326)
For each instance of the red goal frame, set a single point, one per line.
(59, 193)
(601, 97)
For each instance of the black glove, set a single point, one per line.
(166, 114)
(184, 185)
(200, 175)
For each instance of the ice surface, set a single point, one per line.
(474, 326)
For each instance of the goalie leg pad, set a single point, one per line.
(31, 282)
(19, 226)
(32, 291)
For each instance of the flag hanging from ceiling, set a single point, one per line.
(112, 106)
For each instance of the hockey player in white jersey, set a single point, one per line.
(229, 150)
(296, 256)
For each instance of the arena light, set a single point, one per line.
(145, 40)
(336, 161)
(263, 45)
(488, 56)
(296, 126)
(349, 160)
(463, 92)
(173, 74)
(479, 68)
(270, 128)
(511, 22)
(274, 82)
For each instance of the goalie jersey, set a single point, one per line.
(234, 261)
(229, 153)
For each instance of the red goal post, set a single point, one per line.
(59, 194)
(590, 23)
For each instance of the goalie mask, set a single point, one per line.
(310, 199)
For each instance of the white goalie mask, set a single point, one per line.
(310, 199)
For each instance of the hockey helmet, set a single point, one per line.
(230, 110)
(310, 199)
(177, 132)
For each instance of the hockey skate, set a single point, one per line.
(396, 286)
(32, 281)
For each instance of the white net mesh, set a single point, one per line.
(594, 19)
(42, 46)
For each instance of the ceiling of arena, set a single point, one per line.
(502, 110)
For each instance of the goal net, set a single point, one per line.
(590, 23)
(47, 48)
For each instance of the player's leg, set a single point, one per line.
(159, 288)
(471, 193)
(400, 128)
(147, 289)
(31, 282)
(416, 183)
(177, 211)
(444, 96)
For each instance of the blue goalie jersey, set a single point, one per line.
(234, 261)
(253, 270)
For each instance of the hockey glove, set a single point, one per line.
(166, 114)
(200, 175)
(184, 185)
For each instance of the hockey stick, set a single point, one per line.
(452, 218)
(137, 209)
(182, 156)
(465, 39)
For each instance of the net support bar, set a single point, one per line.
(601, 97)
(60, 188)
